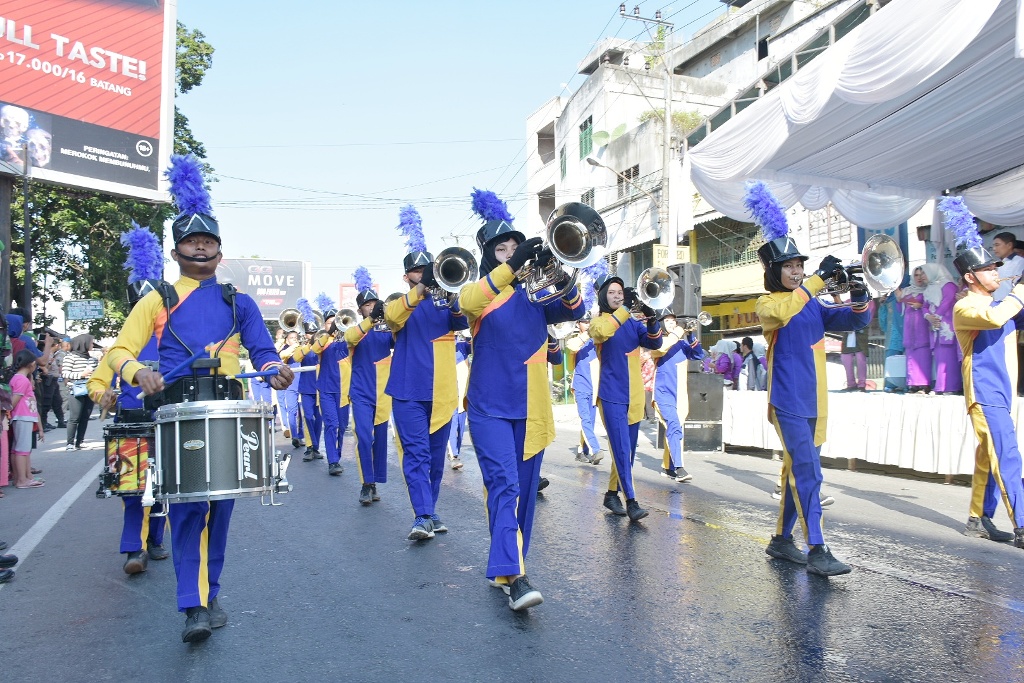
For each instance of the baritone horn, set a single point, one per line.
(345, 319)
(655, 288)
(290, 320)
(881, 264)
(454, 268)
(576, 237)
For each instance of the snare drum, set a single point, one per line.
(126, 465)
(213, 450)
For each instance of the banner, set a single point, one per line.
(275, 285)
(87, 92)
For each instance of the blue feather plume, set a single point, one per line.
(590, 276)
(411, 225)
(324, 302)
(363, 279)
(490, 207)
(145, 259)
(766, 210)
(305, 309)
(188, 186)
(960, 222)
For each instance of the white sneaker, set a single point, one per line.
(595, 458)
(70, 447)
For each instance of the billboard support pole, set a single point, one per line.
(27, 303)
(6, 194)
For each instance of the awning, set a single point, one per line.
(924, 96)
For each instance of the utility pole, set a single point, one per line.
(665, 224)
(28, 239)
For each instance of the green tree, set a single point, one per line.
(76, 234)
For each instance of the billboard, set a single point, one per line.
(275, 285)
(87, 92)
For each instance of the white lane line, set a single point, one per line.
(27, 543)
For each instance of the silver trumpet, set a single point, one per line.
(562, 330)
(703, 319)
(655, 288)
(345, 319)
(576, 237)
(454, 268)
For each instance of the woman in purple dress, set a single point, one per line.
(940, 295)
(917, 333)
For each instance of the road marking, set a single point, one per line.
(27, 543)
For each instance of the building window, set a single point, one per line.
(716, 59)
(588, 198)
(828, 229)
(561, 161)
(762, 49)
(586, 137)
(626, 181)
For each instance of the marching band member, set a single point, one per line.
(794, 323)
(422, 383)
(463, 350)
(677, 346)
(289, 398)
(312, 420)
(332, 385)
(584, 378)
(985, 329)
(618, 337)
(197, 313)
(509, 400)
(370, 351)
(141, 538)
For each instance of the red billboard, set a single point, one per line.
(86, 92)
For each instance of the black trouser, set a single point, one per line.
(78, 421)
(50, 399)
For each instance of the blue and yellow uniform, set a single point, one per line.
(463, 350)
(584, 356)
(423, 389)
(986, 332)
(509, 405)
(288, 399)
(618, 338)
(370, 353)
(311, 419)
(201, 319)
(136, 530)
(670, 389)
(332, 384)
(794, 324)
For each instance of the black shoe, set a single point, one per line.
(670, 473)
(582, 457)
(439, 527)
(136, 562)
(422, 529)
(682, 475)
(49, 427)
(334, 469)
(1018, 537)
(542, 484)
(157, 552)
(521, 595)
(197, 625)
(783, 548)
(612, 502)
(366, 494)
(635, 512)
(983, 527)
(62, 425)
(6, 575)
(8, 561)
(825, 500)
(218, 617)
(317, 454)
(3, 545)
(373, 493)
(307, 456)
(820, 561)
(296, 443)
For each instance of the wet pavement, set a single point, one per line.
(323, 588)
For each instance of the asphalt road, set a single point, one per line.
(323, 588)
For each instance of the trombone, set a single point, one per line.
(453, 268)
(576, 237)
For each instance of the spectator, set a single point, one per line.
(917, 333)
(647, 371)
(737, 364)
(78, 366)
(1011, 266)
(49, 385)
(855, 359)
(24, 420)
(941, 295)
(723, 365)
(753, 374)
(890, 320)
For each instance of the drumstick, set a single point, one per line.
(185, 365)
(270, 373)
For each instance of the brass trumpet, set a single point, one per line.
(453, 268)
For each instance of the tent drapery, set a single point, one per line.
(923, 97)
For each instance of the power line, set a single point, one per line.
(366, 144)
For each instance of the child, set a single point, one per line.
(24, 419)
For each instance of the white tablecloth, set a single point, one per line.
(923, 433)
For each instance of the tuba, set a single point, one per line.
(655, 288)
(576, 237)
(290, 320)
(881, 264)
(454, 268)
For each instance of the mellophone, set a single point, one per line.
(196, 451)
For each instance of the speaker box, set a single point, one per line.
(687, 301)
(705, 392)
(702, 436)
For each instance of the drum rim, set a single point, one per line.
(225, 408)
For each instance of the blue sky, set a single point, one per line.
(322, 118)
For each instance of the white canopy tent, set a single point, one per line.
(923, 97)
